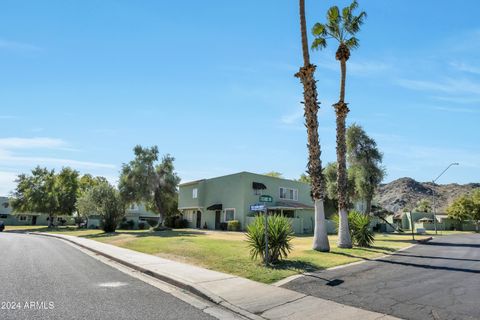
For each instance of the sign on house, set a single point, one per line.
(265, 198)
(257, 207)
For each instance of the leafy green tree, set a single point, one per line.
(36, 193)
(66, 188)
(274, 174)
(305, 178)
(330, 174)
(466, 207)
(460, 208)
(314, 166)
(104, 200)
(475, 214)
(365, 164)
(155, 184)
(341, 26)
(423, 205)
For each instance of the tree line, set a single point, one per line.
(145, 179)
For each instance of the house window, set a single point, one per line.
(288, 194)
(257, 192)
(195, 193)
(229, 214)
(3, 216)
(22, 218)
(289, 213)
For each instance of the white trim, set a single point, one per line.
(295, 193)
(225, 214)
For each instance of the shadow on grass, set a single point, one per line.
(303, 266)
(44, 229)
(142, 234)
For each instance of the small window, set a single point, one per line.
(3, 216)
(289, 213)
(289, 194)
(22, 218)
(229, 214)
(257, 192)
(195, 193)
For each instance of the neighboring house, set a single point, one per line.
(135, 212)
(425, 220)
(27, 218)
(210, 203)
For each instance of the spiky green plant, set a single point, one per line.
(359, 228)
(280, 235)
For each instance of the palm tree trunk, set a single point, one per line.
(341, 110)
(306, 76)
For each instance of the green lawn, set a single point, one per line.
(228, 252)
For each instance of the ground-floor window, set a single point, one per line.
(22, 218)
(3, 216)
(229, 214)
(289, 213)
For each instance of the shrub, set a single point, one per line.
(280, 234)
(127, 225)
(362, 233)
(233, 225)
(141, 225)
(152, 222)
(359, 225)
(169, 221)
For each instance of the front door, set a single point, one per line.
(199, 219)
(217, 219)
(34, 220)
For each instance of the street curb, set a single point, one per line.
(177, 283)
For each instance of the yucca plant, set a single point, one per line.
(359, 227)
(280, 235)
(362, 233)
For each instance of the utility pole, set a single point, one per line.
(433, 194)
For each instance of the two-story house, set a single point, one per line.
(209, 202)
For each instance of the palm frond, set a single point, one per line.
(352, 43)
(353, 5)
(319, 29)
(354, 25)
(319, 43)
(333, 15)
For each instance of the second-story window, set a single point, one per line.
(195, 193)
(288, 194)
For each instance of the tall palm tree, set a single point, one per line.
(305, 74)
(341, 26)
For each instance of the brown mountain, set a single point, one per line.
(406, 192)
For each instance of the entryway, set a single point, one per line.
(218, 214)
(199, 219)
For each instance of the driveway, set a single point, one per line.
(437, 280)
(45, 278)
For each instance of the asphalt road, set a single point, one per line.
(437, 280)
(45, 278)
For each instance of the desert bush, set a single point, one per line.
(280, 235)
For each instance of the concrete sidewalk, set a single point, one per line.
(248, 298)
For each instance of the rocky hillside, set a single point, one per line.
(406, 192)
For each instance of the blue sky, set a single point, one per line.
(211, 82)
